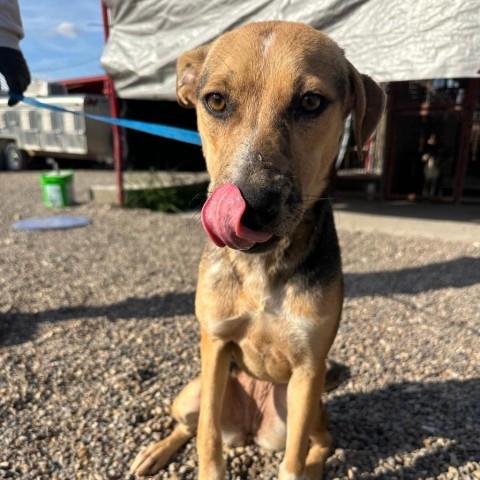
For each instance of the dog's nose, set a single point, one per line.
(262, 208)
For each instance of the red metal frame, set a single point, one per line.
(95, 84)
(467, 125)
(114, 110)
(466, 111)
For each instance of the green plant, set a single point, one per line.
(167, 199)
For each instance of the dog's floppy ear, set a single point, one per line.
(189, 65)
(368, 105)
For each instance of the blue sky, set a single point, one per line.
(63, 38)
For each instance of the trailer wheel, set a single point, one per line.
(15, 159)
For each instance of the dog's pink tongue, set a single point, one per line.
(222, 219)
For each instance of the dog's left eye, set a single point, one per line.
(216, 102)
(312, 102)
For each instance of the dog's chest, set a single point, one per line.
(275, 338)
(272, 323)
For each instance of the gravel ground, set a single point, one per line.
(97, 335)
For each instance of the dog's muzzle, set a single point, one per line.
(239, 220)
(262, 207)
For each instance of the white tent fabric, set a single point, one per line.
(391, 40)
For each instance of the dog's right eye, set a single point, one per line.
(215, 102)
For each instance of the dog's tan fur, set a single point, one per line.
(274, 309)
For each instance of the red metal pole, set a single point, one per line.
(114, 111)
(467, 113)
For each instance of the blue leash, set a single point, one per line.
(173, 133)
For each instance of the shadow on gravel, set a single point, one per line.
(458, 273)
(462, 272)
(404, 418)
(20, 327)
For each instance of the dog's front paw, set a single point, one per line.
(149, 460)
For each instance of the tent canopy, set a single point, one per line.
(390, 41)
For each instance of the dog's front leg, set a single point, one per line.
(215, 362)
(303, 397)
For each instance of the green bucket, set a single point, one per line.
(57, 188)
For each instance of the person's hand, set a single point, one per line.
(15, 70)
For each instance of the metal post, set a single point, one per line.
(467, 113)
(114, 110)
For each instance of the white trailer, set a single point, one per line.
(27, 131)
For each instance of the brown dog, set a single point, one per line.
(271, 101)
